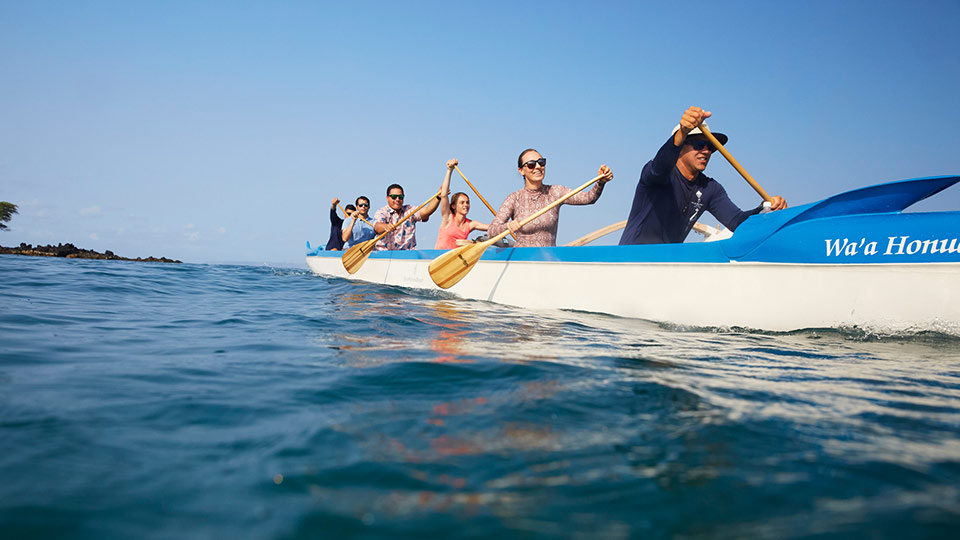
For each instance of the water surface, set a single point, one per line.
(210, 401)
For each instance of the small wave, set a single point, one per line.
(936, 330)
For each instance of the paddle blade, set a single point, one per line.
(448, 269)
(354, 257)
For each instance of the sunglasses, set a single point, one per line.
(532, 164)
(366, 205)
(700, 144)
(395, 196)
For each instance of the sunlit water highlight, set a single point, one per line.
(196, 401)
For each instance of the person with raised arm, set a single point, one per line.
(335, 242)
(454, 224)
(673, 192)
(541, 232)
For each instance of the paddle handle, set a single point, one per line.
(406, 217)
(492, 211)
(736, 165)
(543, 210)
(359, 216)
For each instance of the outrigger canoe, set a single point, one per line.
(851, 260)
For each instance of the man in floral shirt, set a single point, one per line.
(403, 236)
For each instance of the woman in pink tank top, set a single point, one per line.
(454, 224)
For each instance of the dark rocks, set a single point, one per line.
(71, 251)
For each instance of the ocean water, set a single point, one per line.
(146, 400)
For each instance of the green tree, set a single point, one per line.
(7, 210)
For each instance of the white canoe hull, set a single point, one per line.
(766, 296)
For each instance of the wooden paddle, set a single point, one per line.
(736, 165)
(359, 216)
(354, 257)
(449, 268)
(587, 238)
(492, 211)
(705, 230)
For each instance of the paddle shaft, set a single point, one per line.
(492, 211)
(358, 215)
(705, 230)
(587, 238)
(736, 165)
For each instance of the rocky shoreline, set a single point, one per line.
(71, 251)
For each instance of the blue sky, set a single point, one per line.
(219, 131)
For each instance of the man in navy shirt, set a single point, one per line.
(673, 192)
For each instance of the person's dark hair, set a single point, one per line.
(520, 157)
(351, 207)
(362, 198)
(394, 186)
(455, 197)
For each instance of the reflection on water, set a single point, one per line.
(575, 401)
(453, 328)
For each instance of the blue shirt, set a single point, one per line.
(666, 204)
(361, 233)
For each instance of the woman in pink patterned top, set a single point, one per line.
(541, 232)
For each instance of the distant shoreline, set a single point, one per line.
(71, 251)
